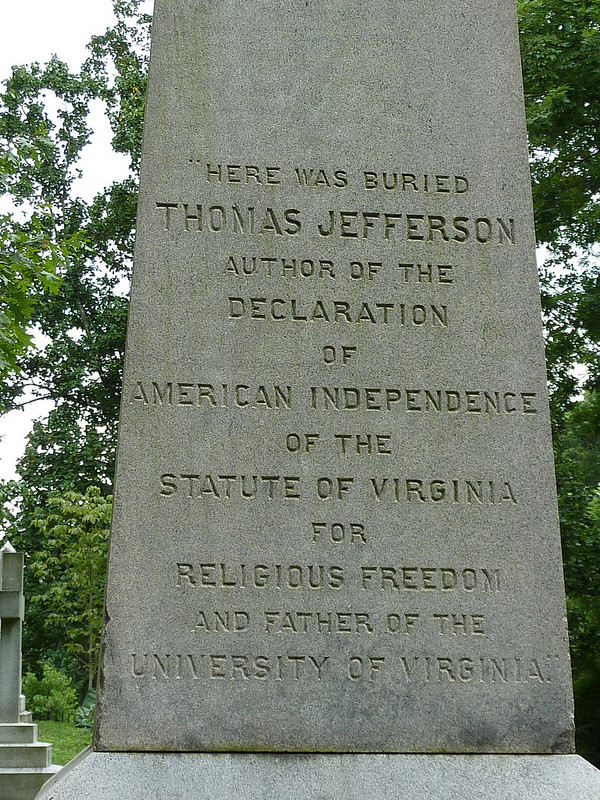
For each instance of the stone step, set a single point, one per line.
(17, 733)
(38, 754)
(26, 717)
(24, 783)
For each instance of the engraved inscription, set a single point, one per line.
(375, 225)
(410, 668)
(271, 267)
(246, 174)
(259, 576)
(201, 666)
(367, 578)
(413, 490)
(338, 532)
(286, 396)
(448, 401)
(335, 528)
(333, 623)
(278, 309)
(209, 395)
(319, 177)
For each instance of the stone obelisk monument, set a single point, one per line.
(335, 560)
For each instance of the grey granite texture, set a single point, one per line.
(141, 776)
(335, 523)
(25, 763)
(25, 783)
(12, 609)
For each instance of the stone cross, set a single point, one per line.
(11, 620)
(25, 763)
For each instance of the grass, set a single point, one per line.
(66, 739)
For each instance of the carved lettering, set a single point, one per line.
(431, 579)
(205, 394)
(476, 670)
(258, 576)
(251, 220)
(215, 667)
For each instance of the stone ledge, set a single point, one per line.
(32, 754)
(17, 733)
(229, 776)
(25, 782)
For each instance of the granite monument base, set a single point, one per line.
(230, 776)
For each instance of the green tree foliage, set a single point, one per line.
(561, 64)
(560, 42)
(584, 622)
(79, 368)
(30, 258)
(67, 571)
(50, 696)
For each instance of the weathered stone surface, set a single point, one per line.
(141, 776)
(25, 783)
(25, 763)
(335, 524)
(33, 754)
(17, 733)
(11, 620)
